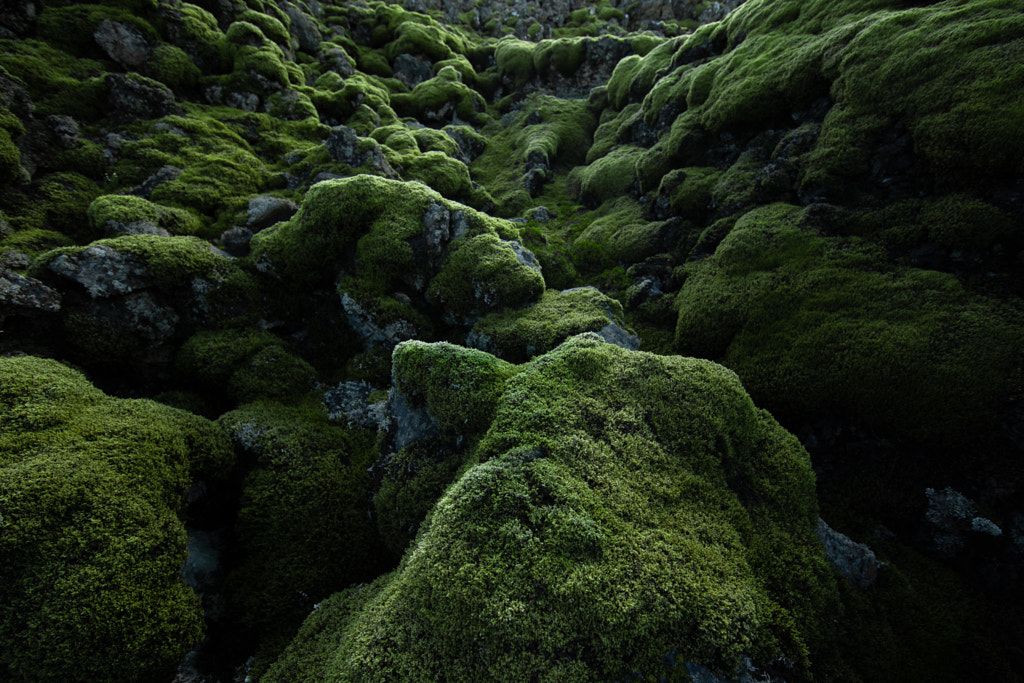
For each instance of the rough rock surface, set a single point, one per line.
(952, 520)
(103, 271)
(854, 561)
(122, 43)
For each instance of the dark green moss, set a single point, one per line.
(920, 355)
(90, 542)
(307, 497)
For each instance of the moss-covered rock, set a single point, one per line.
(635, 511)
(91, 546)
(303, 530)
(520, 334)
(407, 239)
(816, 326)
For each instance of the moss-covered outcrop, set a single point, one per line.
(827, 326)
(635, 511)
(303, 529)
(91, 546)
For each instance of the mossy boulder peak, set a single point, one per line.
(364, 240)
(634, 510)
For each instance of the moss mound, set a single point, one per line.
(816, 326)
(629, 513)
(90, 545)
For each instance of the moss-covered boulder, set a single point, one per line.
(91, 547)
(629, 513)
(405, 259)
(303, 528)
(519, 334)
(818, 326)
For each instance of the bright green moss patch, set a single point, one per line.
(780, 305)
(112, 213)
(624, 512)
(90, 542)
(307, 497)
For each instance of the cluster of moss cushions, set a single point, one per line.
(624, 513)
(91, 547)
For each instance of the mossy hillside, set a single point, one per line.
(622, 508)
(769, 61)
(91, 543)
(307, 498)
(622, 234)
(546, 136)
(518, 335)
(816, 326)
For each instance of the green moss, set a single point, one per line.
(919, 355)
(201, 38)
(518, 335)
(306, 497)
(440, 172)
(440, 99)
(481, 274)
(620, 520)
(174, 68)
(65, 199)
(610, 176)
(86, 158)
(34, 241)
(688, 191)
(58, 83)
(90, 542)
(212, 359)
(622, 233)
(10, 160)
(515, 60)
(72, 27)
(270, 27)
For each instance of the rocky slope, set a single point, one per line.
(569, 340)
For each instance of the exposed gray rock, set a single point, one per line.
(26, 294)
(362, 322)
(265, 211)
(350, 402)
(115, 229)
(103, 271)
(856, 562)
(615, 334)
(337, 60)
(11, 259)
(122, 42)
(236, 241)
(412, 70)
(246, 101)
(951, 520)
(344, 145)
(525, 256)
(133, 97)
(45, 138)
(406, 422)
(164, 174)
(17, 18)
(303, 28)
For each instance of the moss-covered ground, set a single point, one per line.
(354, 246)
